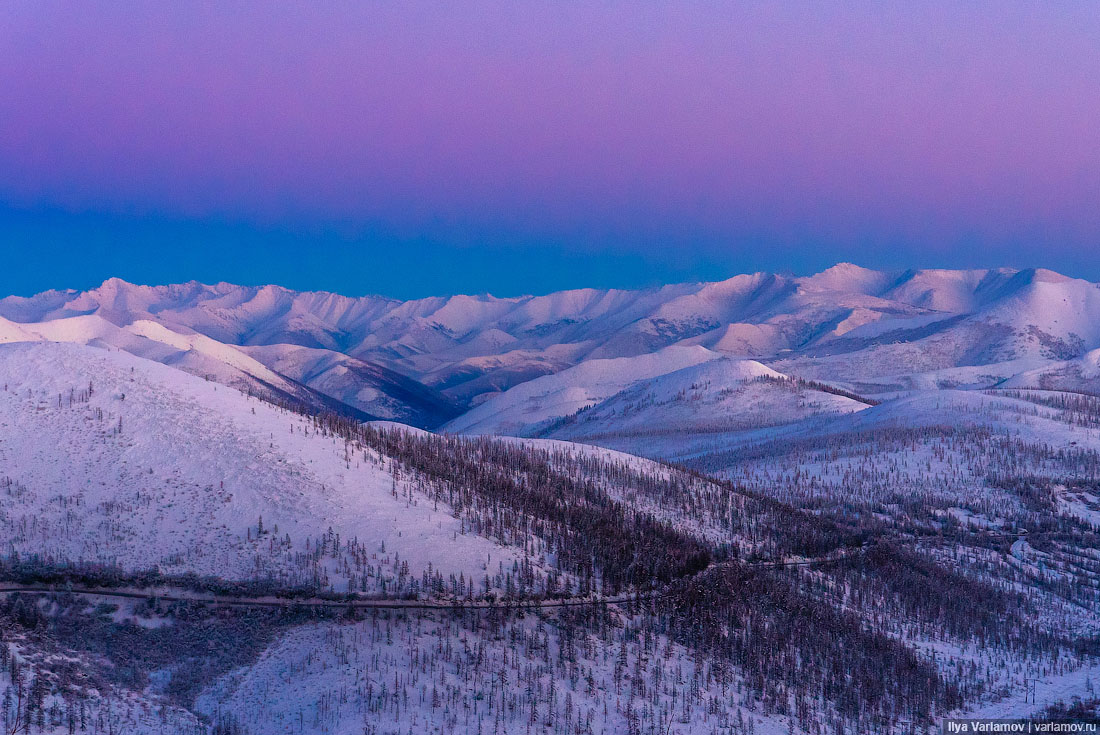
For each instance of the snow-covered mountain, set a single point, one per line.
(844, 324)
(770, 503)
(522, 409)
(179, 473)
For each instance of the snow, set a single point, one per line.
(12, 332)
(1080, 504)
(437, 676)
(160, 466)
(553, 396)
(851, 322)
(1039, 693)
(711, 398)
(108, 710)
(205, 346)
(848, 277)
(367, 386)
(194, 468)
(195, 353)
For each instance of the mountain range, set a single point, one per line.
(728, 378)
(442, 362)
(766, 505)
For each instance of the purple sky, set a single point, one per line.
(690, 135)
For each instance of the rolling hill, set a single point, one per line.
(764, 505)
(844, 324)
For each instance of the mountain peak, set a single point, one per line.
(1043, 275)
(848, 277)
(114, 282)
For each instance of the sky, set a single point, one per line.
(515, 147)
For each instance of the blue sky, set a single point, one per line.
(526, 147)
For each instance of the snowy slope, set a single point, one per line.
(606, 366)
(949, 450)
(1078, 374)
(366, 386)
(12, 332)
(460, 670)
(656, 416)
(160, 468)
(193, 353)
(112, 456)
(844, 323)
(523, 408)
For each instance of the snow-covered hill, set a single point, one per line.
(801, 485)
(675, 414)
(365, 386)
(112, 458)
(522, 409)
(653, 405)
(846, 323)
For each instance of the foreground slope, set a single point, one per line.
(830, 588)
(761, 613)
(108, 457)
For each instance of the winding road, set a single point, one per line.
(174, 594)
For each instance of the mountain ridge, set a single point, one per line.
(923, 458)
(427, 361)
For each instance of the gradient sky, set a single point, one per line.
(414, 148)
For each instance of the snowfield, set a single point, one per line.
(844, 324)
(432, 676)
(158, 468)
(529, 404)
(848, 502)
